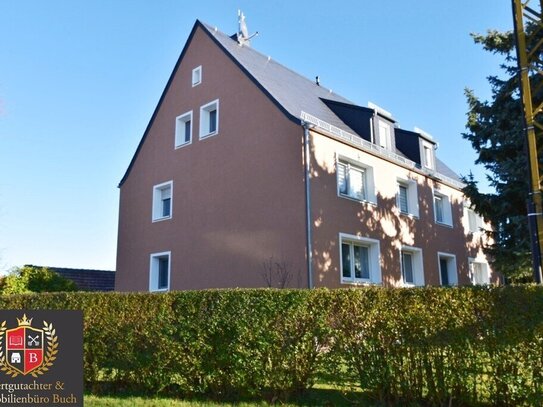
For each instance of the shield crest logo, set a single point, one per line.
(24, 347)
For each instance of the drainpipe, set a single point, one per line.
(307, 162)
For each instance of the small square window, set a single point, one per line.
(209, 119)
(197, 76)
(183, 129)
(162, 201)
(159, 273)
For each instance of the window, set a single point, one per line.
(475, 221)
(162, 201)
(478, 272)
(183, 129)
(447, 269)
(359, 260)
(159, 273)
(209, 119)
(428, 155)
(442, 209)
(407, 198)
(197, 76)
(411, 265)
(384, 135)
(355, 181)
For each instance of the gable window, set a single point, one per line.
(478, 272)
(442, 209)
(159, 273)
(197, 76)
(407, 197)
(447, 269)
(411, 265)
(209, 119)
(162, 201)
(359, 260)
(355, 181)
(183, 129)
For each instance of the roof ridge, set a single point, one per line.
(214, 30)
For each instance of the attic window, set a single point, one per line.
(197, 76)
(209, 119)
(428, 155)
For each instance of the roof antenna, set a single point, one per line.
(243, 36)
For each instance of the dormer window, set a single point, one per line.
(384, 135)
(428, 155)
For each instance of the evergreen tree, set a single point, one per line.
(495, 130)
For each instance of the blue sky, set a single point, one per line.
(79, 81)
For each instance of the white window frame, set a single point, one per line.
(385, 134)
(197, 76)
(416, 263)
(157, 207)
(205, 111)
(412, 197)
(428, 160)
(368, 180)
(446, 208)
(154, 271)
(486, 269)
(474, 222)
(374, 259)
(180, 129)
(452, 271)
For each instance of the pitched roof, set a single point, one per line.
(291, 92)
(88, 280)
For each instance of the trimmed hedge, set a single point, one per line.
(435, 345)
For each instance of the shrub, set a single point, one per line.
(34, 279)
(431, 345)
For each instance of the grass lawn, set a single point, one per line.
(314, 397)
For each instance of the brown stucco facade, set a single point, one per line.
(238, 197)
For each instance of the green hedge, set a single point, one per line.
(437, 345)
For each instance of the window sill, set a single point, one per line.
(204, 136)
(447, 225)
(161, 219)
(178, 146)
(360, 283)
(350, 198)
(409, 215)
(162, 290)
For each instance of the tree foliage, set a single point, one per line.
(32, 279)
(495, 130)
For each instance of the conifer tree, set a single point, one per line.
(495, 130)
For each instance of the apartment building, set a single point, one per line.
(250, 175)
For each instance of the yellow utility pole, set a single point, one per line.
(529, 44)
